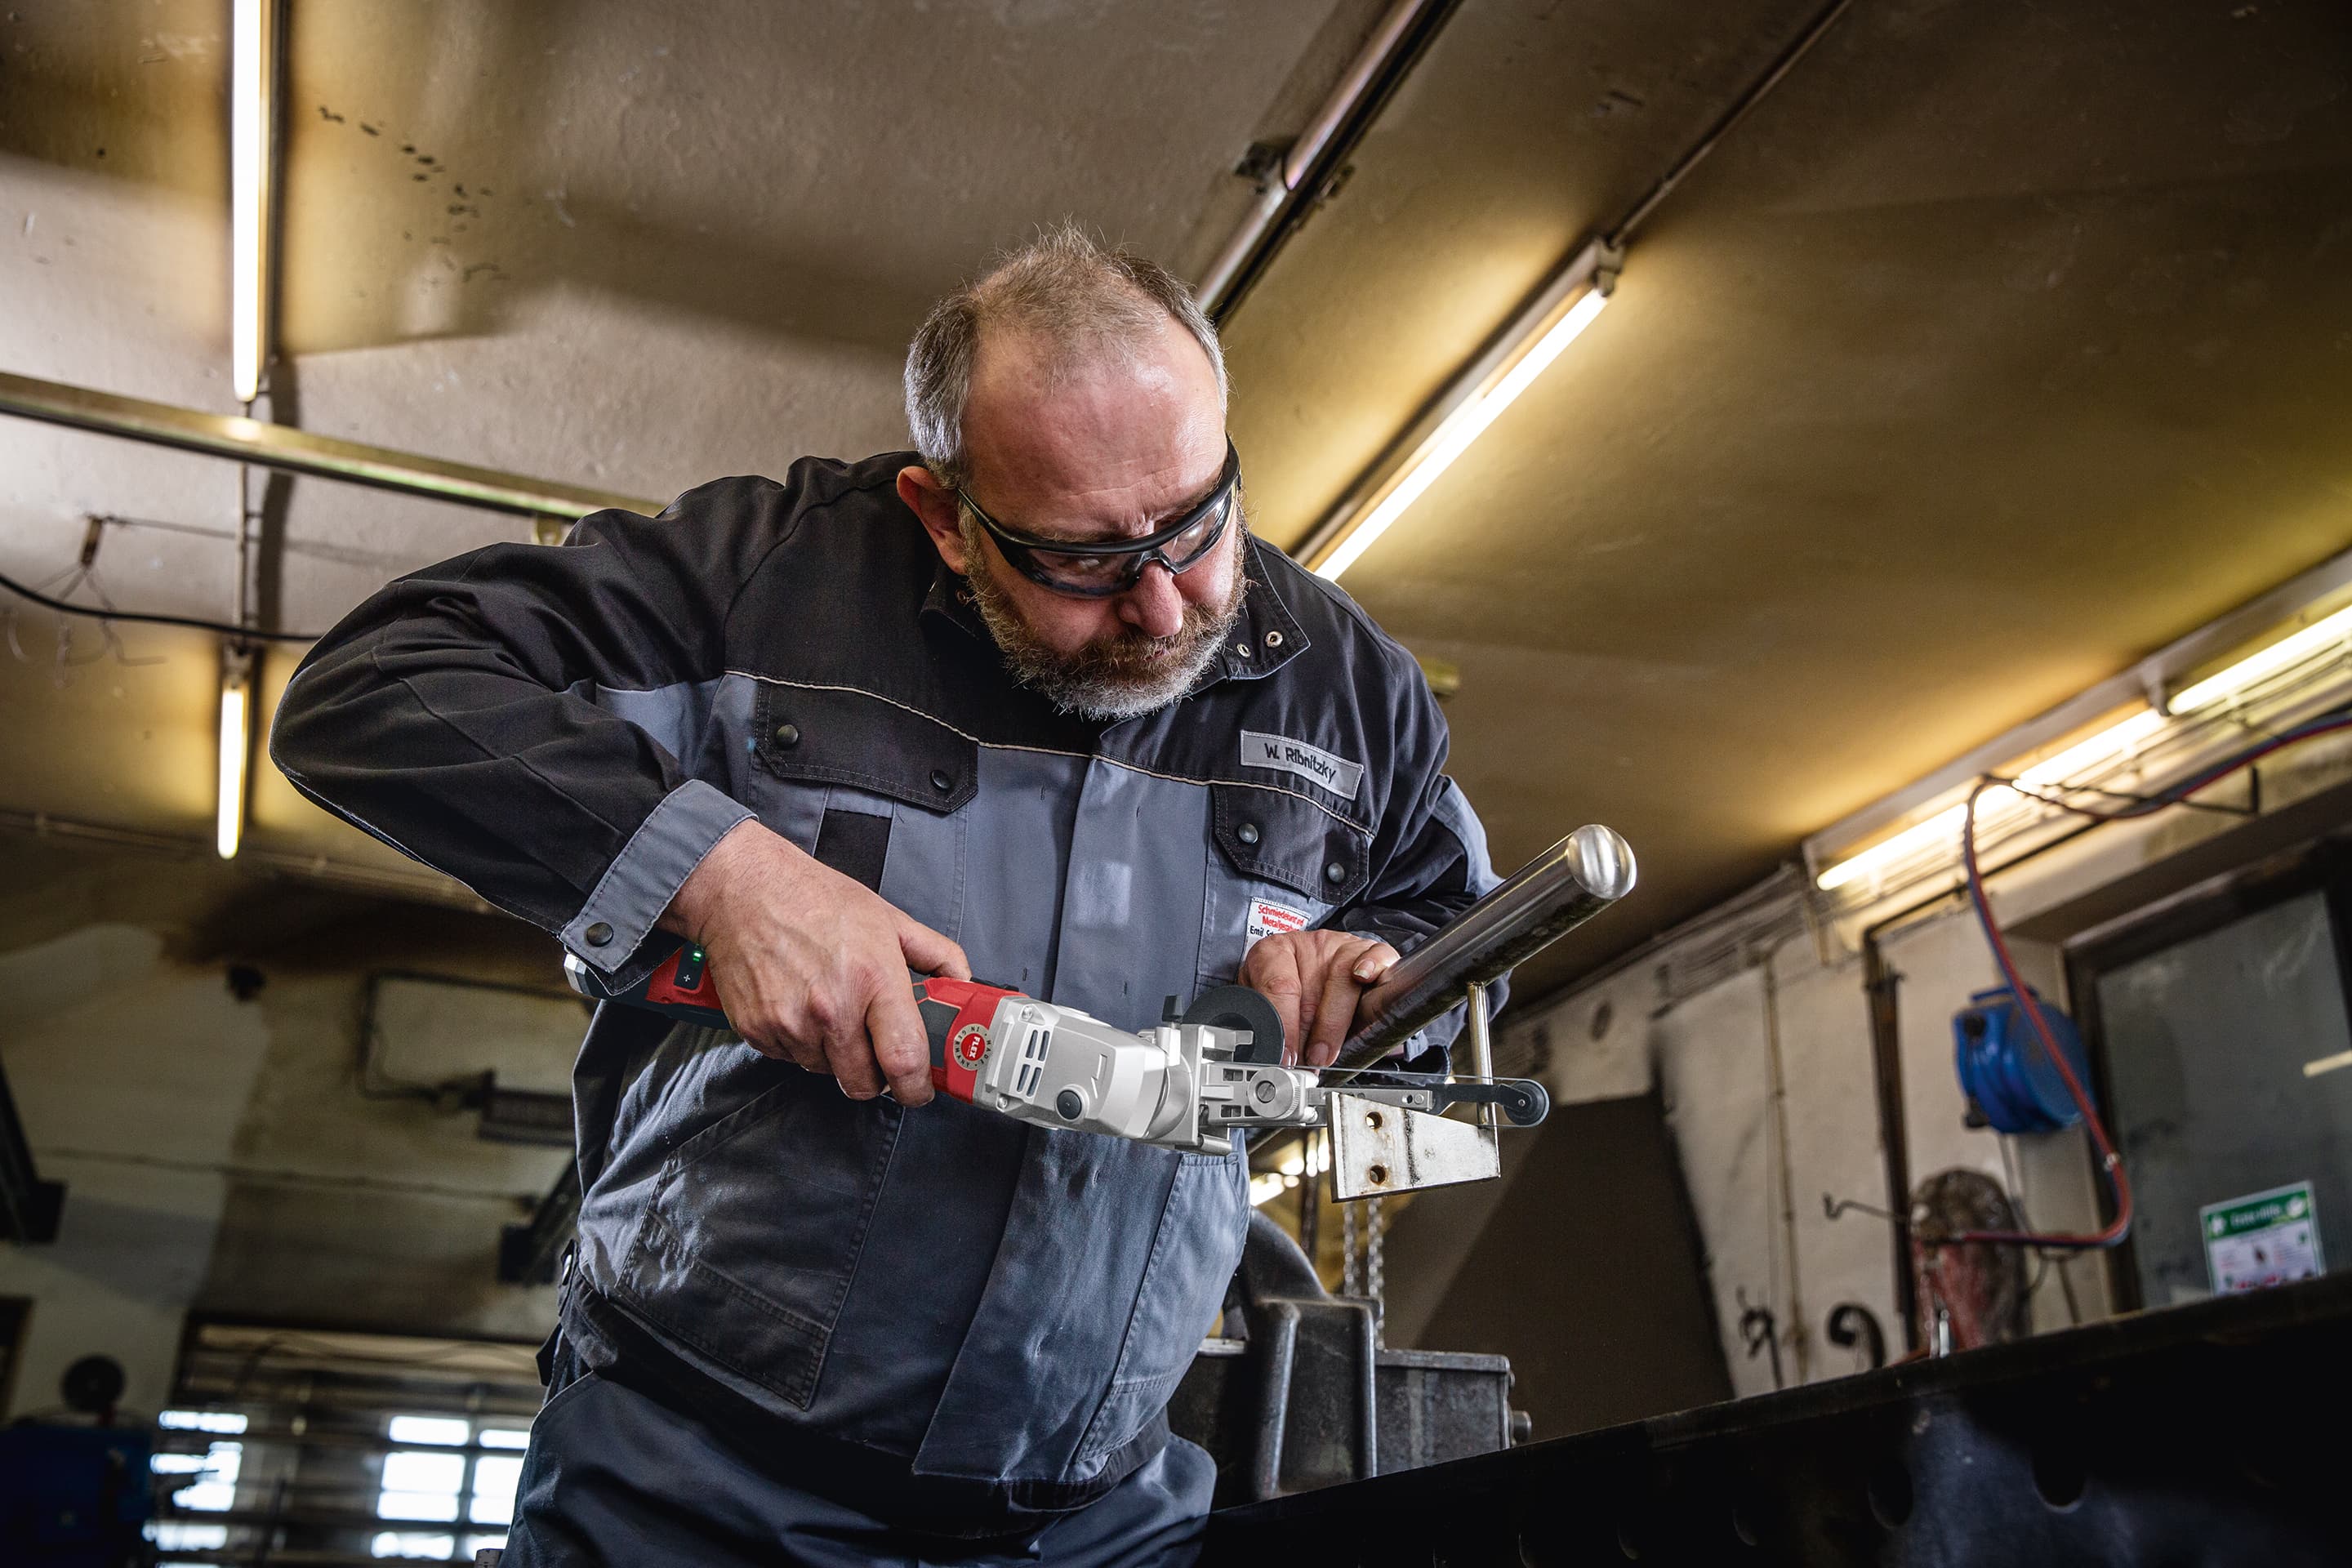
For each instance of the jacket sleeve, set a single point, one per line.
(455, 715)
(1431, 853)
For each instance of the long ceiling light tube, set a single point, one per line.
(1554, 317)
(2144, 684)
(2280, 683)
(253, 163)
(235, 748)
(2324, 636)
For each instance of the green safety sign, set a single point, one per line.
(2263, 1239)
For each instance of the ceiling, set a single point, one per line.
(2000, 344)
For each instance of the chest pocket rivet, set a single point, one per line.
(1335, 872)
(788, 734)
(1246, 832)
(941, 781)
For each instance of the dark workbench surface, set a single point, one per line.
(2209, 1434)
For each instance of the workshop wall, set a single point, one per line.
(219, 1154)
(103, 1009)
(1761, 1146)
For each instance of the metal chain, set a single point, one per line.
(1349, 1282)
(1375, 1276)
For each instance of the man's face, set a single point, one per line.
(1111, 450)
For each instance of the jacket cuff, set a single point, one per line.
(609, 932)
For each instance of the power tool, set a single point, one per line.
(1189, 1082)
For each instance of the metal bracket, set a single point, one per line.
(1377, 1149)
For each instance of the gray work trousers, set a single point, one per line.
(614, 1479)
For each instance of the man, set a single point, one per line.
(1031, 706)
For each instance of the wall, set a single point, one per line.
(1702, 1014)
(218, 1153)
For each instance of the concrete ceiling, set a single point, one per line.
(2002, 343)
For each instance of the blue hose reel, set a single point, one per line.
(2004, 1070)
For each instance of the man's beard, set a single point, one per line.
(1123, 676)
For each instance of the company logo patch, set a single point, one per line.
(1266, 918)
(1337, 774)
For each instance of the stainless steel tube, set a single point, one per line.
(1545, 900)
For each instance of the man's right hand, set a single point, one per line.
(812, 966)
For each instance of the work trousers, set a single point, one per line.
(616, 1479)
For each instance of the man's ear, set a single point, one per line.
(935, 505)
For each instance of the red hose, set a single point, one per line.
(2110, 1161)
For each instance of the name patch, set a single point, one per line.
(1266, 918)
(1337, 774)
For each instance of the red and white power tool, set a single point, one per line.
(1187, 1083)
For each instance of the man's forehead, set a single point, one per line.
(1114, 444)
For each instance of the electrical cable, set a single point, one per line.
(150, 618)
(2110, 1161)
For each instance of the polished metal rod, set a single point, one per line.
(245, 440)
(1545, 900)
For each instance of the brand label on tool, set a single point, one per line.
(1337, 774)
(1266, 916)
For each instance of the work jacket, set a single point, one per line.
(963, 1318)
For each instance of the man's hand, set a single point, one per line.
(1313, 978)
(812, 966)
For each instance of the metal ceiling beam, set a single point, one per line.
(281, 447)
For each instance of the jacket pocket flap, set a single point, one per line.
(828, 735)
(1283, 837)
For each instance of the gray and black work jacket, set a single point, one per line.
(956, 1316)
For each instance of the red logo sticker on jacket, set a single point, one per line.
(1266, 918)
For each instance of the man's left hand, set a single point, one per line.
(1313, 978)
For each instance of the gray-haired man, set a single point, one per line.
(905, 712)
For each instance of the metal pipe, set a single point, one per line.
(1477, 1030)
(1390, 42)
(1545, 900)
(235, 437)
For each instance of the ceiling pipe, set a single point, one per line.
(1289, 187)
(281, 447)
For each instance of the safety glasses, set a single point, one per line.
(1098, 570)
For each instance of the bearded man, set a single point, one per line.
(1028, 703)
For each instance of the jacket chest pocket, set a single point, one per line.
(1276, 863)
(874, 789)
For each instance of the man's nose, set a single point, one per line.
(1153, 607)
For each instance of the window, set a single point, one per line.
(453, 1479)
(2222, 1027)
(212, 1474)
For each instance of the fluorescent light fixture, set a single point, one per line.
(2288, 651)
(236, 745)
(1453, 438)
(252, 124)
(1942, 831)
(1475, 399)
